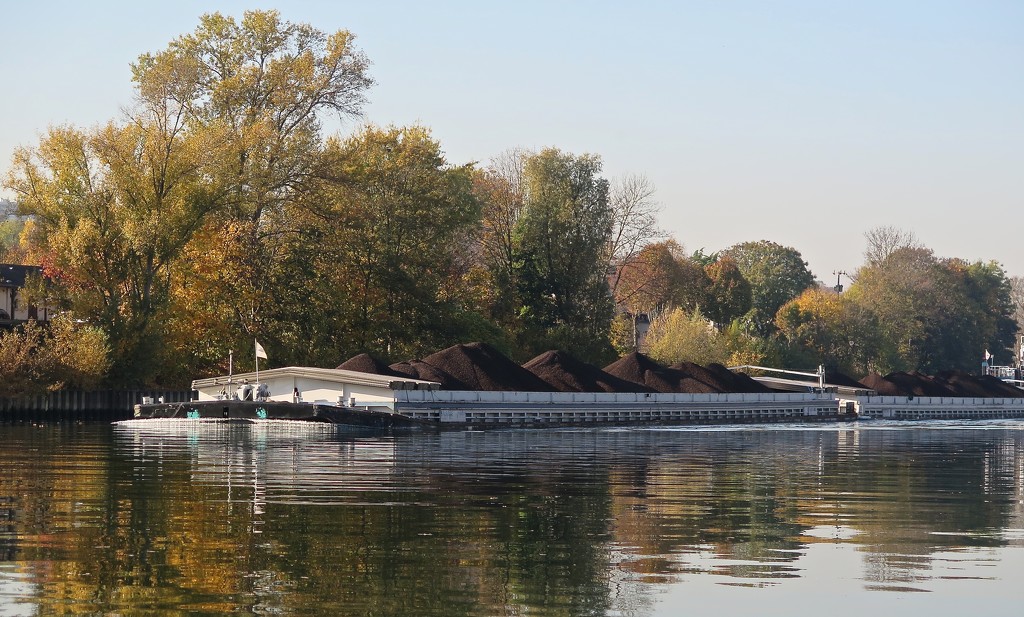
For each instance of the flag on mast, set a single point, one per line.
(260, 352)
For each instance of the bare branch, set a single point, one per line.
(886, 240)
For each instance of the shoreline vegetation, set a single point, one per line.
(217, 212)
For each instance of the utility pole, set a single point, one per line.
(839, 286)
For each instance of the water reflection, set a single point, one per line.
(288, 518)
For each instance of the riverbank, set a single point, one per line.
(82, 406)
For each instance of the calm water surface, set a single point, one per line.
(276, 519)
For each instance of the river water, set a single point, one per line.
(286, 519)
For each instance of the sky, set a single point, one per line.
(802, 122)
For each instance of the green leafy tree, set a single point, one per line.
(380, 245)
(776, 274)
(1017, 301)
(991, 291)
(729, 295)
(561, 242)
(935, 314)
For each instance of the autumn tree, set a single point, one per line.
(499, 188)
(634, 222)
(267, 82)
(685, 336)
(377, 244)
(652, 281)
(827, 328)
(114, 207)
(265, 85)
(63, 353)
(936, 314)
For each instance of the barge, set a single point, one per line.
(371, 401)
(233, 410)
(367, 400)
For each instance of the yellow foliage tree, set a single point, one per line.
(679, 336)
(61, 354)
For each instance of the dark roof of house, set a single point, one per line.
(12, 275)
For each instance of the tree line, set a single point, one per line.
(216, 211)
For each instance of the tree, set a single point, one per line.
(729, 295)
(62, 354)
(264, 84)
(499, 188)
(681, 336)
(266, 81)
(649, 281)
(114, 208)
(634, 221)
(776, 274)
(379, 241)
(885, 240)
(652, 281)
(903, 291)
(935, 314)
(1017, 298)
(815, 322)
(561, 239)
(991, 293)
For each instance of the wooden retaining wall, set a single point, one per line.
(78, 406)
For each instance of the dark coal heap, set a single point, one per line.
(564, 373)
(417, 369)
(836, 378)
(482, 367)
(640, 369)
(732, 381)
(365, 363)
(683, 377)
(945, 383)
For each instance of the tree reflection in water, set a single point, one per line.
(304, 519)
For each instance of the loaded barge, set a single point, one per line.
(367, 400)
(371, 401)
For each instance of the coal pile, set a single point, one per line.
(482, 367)
(964, 384)
(417, 369)
(692, 372)
(565, 373)
(835, 378)
(946, 383)
(907, 384)
(365, 363)
(638, 368)
(732, 381)
(998, 387)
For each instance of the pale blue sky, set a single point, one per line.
(802, 122)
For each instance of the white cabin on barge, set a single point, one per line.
(313, 385)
